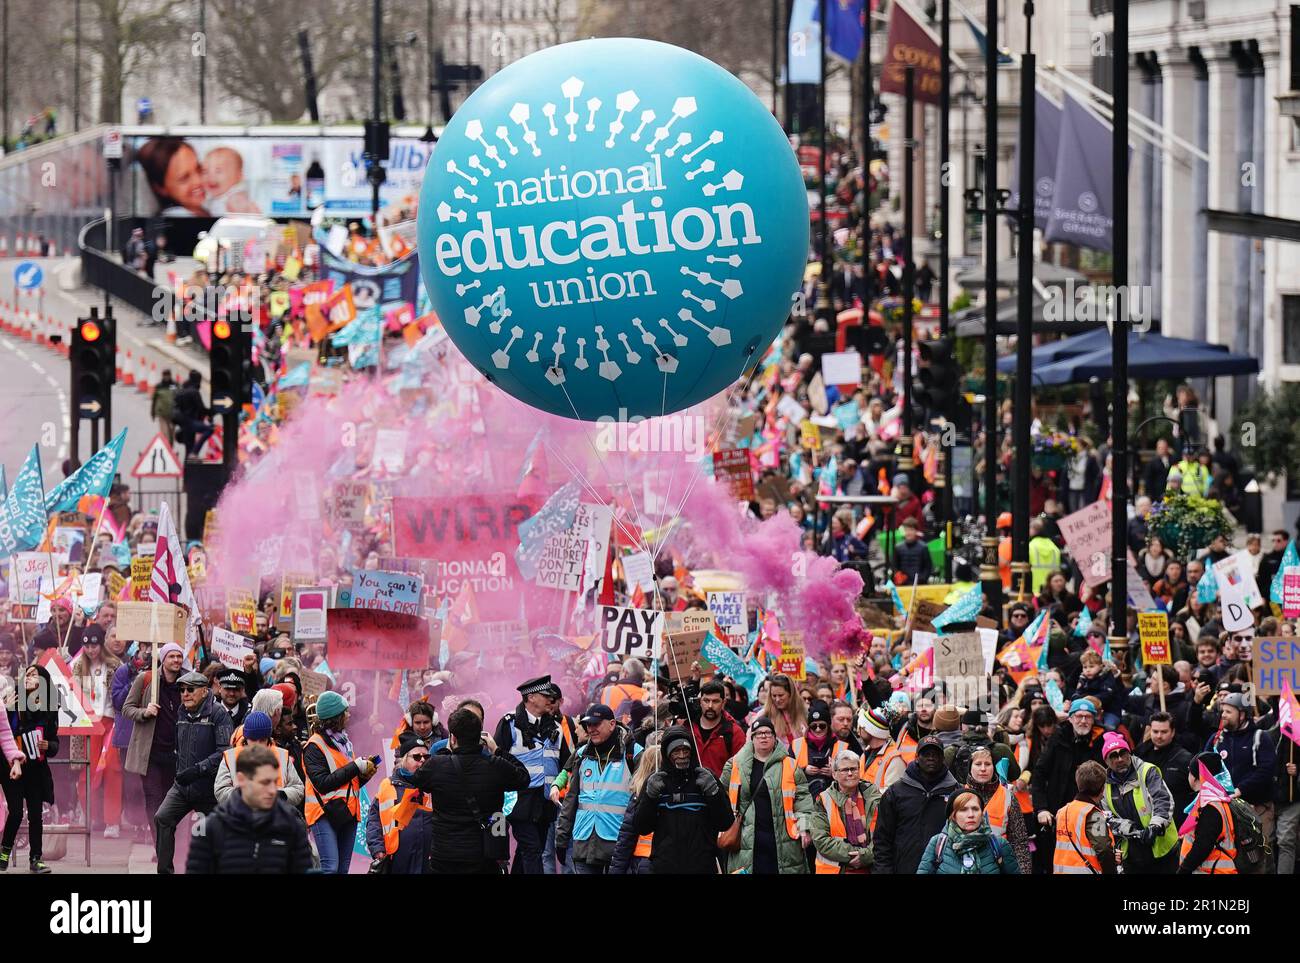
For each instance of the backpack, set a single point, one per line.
(943, 838)
(1252, 847)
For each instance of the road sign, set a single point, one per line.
(113, 144)
(91, 409)
(76, 717)
(28, 275)
(157, 461)
(213, 452)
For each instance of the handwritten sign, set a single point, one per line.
(627, 631)
(690, 620)
(638, 569)
(728, 609)
(592, 524)
(1153, 630)
(390, 451)
(375, 639)
(288, 582)
(681, 649)
(156, 622)
(230, 647)
(958, 656)
(561, 563)
(1276, 663)
(387, 591)
(731, 467)
(350, 502)
(241, 610)
(309, 607)
(28, 569)
(1087, 536)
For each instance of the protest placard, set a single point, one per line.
(1237, 580)
(1291, 592)
(141, 573)
(116, 582)
(289, 581)
(561, 563)
(958, 656)
(810, 436)
(731, 468)
(156, 622)
(1087, 536)
(509, 635)
(309, 607)
(638, 569)
(791, 660)
(1275, 662)
(306, 497)
(592, 524)
(390, 451)
(791, 409)
(690, 620)
(350, 502)
(313, 684)
(728, 610)
(375, 639)
(681, 651)
(842, 368)
(628, 631)
(1153, 630)
(230, 647)
(386, 591)
(241, 610)
(1235, 615)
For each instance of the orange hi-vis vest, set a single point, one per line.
(787, 792)
(1222, 858)
(824, 866)
(907, 746)
(875, 773)
(799, 748)
(231, 756)
(396, 814)
(996, 810)
(615, 695)
(1023, 797)
(351, 791)
(643, 844)
(566, 732)
(1074, 853)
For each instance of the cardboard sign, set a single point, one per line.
(1276, 663)
(1153, 630)
(681, 649)
(309, 608)
(923, 613)
(1235, 615)
(562, 563)
(375, 639)
(842, 368)
(288, 582)
(958, 656)
(1291, 592)
(241, 610)
(627, 631)
(731, 468)
(76, 717)
(638, 569)
(313, 683)
(1087, 536)
(791, 661)
(728, 610)
(230, 647)
(592, 524)
(810, 436)
(390, 451)
(690, 620)
(156, 622)
(350, 502)
(387, 591)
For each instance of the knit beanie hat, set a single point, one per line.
(257, 727)
(330, 704)
(874, 722)
(946, 719)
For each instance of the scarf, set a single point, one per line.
(854, 829)
(967, 845)
(341, 742)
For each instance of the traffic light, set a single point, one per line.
(231, 361)
(93, 370)
(939, 391)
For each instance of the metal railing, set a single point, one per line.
(101, 269)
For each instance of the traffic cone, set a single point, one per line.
(148, 375)
(54, 249)
(127, 373)
(4, 245)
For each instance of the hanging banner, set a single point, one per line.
(1082, 205)
(1047, 136)
(910, 44)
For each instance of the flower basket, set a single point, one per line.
(1185, 523)
(1051, 452)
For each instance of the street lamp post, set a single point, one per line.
(989, 569)
(823, 308)
(1119, 338)
(909, 264)
(203, 62)
(1021, 572)
(867, 96)
(943, 477)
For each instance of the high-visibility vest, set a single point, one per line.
(396, 814)
(643, 845)
(875, 772)
(1044, 557)
(787, 792)
(542, 761)
(1168, 839)
(566, 733)
(1023, 797)
(231, 756)
(800, 749)
(1004, 562)
(1222, 858)
(996, 810)
(350, 791)
(907, 747)
(603, 795)
(824, 866)
(1074, 853)
(615, 695)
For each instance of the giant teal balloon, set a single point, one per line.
(613, 228)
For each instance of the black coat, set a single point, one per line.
(909, 815)
(684, 820)
(37, 781)
(1173, 761)
(457, 834)
(1052, 784)
(239, 840)
(1140, 709)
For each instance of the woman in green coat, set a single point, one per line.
(842, 818)
(760, 779)
(967, 846)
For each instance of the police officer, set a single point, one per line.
(233, 696)
(534, 737)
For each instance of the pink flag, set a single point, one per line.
(1288, 714)
(1211, 791)
(920, 671)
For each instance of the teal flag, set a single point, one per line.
(1082, 626)
(965, 609)
(1207, 589)
(22, 514)
(95, 477)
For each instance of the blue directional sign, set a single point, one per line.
(28, 275)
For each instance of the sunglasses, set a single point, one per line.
(420, 758)
(819, 726)
(194, 688)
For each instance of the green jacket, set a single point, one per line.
(992, 855)
(790, 857)
(835, 849)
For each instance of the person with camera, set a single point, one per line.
(253, 831)
(717, 735)
(532, 735)
(399, 826)
(1142, 809)
(466, 789)
(684, 807)
(335, 775)
(600, 786)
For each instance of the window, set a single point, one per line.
(1291, 329)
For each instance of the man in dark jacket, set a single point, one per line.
(1249, 754)
(1156, 471)
(684, 806)
(254, 831)
(1272, 561)
(203, 732)
(717, 734)
(191, 415)
(532, 734)
(912, 555)
(466, 790)
(913, 810)
(1164, 751)
(1141, 709)
(1052, 784)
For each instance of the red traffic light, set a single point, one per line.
(90, 331)
(221, 330)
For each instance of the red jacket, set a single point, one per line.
(719, 744)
